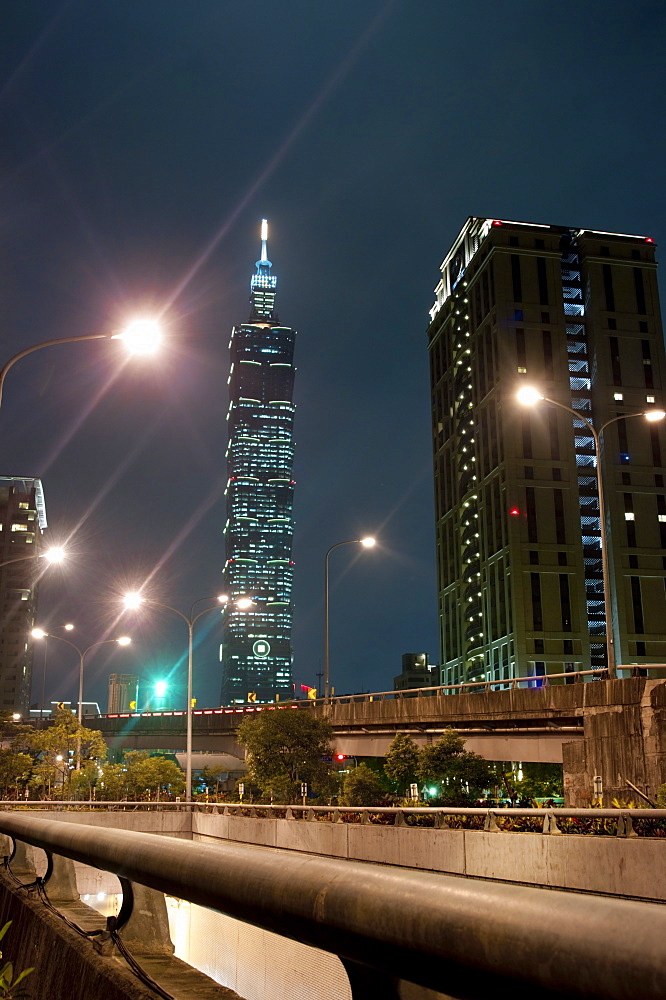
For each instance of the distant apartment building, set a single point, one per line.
(123, 693)
(574, 313)
(416, 672)
(22, 521)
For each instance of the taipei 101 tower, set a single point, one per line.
(258, 571)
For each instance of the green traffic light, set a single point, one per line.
(160, 688)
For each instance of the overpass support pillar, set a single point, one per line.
(147, 930)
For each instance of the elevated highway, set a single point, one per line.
(612, 728)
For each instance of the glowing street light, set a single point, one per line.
(132, 602)
(53, 555)
(368, 543)
(141, 336)
(123, 640)
(529, 396)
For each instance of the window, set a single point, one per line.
(615, 360)
(618, 396)
(608, 287)
(19, 527)
(542, 279)
(537, 614)
(637, 602)
(640, 290)
(565, 602)
(516, 279)
(612, 324)
(649, 399)
(629, 515)
(642, 326)
(24, 506)
(633, 562)
(560, 533)
(530, 503)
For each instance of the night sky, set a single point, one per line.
(141, 143)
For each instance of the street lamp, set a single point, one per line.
(529, 396)
(140, 336)
(53, 555)
(367, 543)
(135, 600)
(123, 640)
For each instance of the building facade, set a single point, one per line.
(256, 651)
(22, 521)
(123, 693)
(575, 314)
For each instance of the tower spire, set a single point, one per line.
(264, 241)
(263, 284)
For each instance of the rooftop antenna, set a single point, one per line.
(264, 238)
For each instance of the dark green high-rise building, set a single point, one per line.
(573, 313)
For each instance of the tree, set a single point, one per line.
(56, 747)
(213, 776)
(539, 780)
(143, 773)
(401, 762)
(362, 787)
(461, 774)
(15, 769)
(285, 747)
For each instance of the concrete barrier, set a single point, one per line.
(614, 866)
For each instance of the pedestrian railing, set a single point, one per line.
(621, 822)
(459, 936)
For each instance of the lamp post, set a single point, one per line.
(529, 396)
(123, 640)
(54, 555)
(141, 336)
(135, 600)
(367, 543)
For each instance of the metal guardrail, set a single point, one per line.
(548, 817)
(465, 938)
(536, 682)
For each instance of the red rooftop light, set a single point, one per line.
(514, 512)
(648, 239)
(496, 222)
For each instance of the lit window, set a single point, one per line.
(649, 399)
(618, 395)
(661, 517)
(24, 506)
(522, 371)
(629, 516)
(19, 527)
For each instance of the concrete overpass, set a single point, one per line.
(615, 728)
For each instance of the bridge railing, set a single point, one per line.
(535, 682)
(459, 936)
(624, 822)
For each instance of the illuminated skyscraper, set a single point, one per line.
(574, 313)
(256, 643)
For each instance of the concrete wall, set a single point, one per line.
(66, 965)
(624, 737)
(610, 865)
